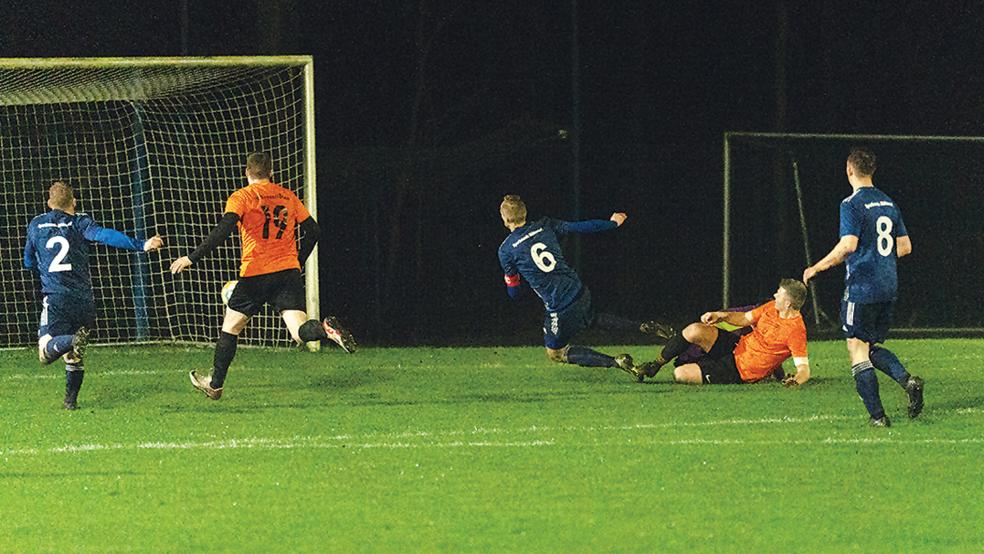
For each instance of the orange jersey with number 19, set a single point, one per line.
(268, 214)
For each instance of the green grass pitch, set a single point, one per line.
(484, 449)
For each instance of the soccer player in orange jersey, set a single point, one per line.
(778, 332)
(266, 214)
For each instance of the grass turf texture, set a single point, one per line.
(489, 449)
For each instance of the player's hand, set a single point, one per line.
(181, 264)
(153, 243)
(808, 274)
(790, 381)
(619, 218)
(710, 318)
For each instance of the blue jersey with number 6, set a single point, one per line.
(533, 251)
(873, 217)
(58, 247)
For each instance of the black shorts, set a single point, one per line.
(284, 290)
(717, 367)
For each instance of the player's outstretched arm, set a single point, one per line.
(111, 237)
(216, 237)
(594, 225)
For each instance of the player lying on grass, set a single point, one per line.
(267, 215)
(57, 247)
(778, 332)
(532, 253)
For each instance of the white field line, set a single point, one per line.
(399, 440)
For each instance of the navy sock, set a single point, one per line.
(616, 323)
(74, 373)
(225, 351)
(884, 360)
(866, 382)
(674, 347)
(584, 356)
(312, 330)
(57, 347)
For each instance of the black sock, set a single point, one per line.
(225, 351)
(584, 356)
(616, 323)
(674, 347)
(74, 374)
(312, 330)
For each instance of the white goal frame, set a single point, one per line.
(20, 94)
(726, 265)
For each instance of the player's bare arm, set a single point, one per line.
(738, 319)
(903, 246)
(843, 248)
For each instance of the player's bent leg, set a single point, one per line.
(304, 330)
(42, 343)
(688, 373)
(702, 335)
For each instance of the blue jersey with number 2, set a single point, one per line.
(873, 217)
(58, 247)
(533, 251)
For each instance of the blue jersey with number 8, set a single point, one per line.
(876, 220)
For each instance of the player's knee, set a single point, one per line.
(692, 333)
(557, 355)
(42, 344)
(686, 374)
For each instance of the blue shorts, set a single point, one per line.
(867, 322)
(64, 315)
(560, 327)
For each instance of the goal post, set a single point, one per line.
(150, 145)
(781, 195)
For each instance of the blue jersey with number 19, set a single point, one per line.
(873, 217)
(58, 247)
(533, 251)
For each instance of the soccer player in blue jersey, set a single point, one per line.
(57, 248)
(872, 237)
(532, 253)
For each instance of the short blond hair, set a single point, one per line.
(513, 209)
(796, 291)
(60, 195)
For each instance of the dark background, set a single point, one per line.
(429, 111)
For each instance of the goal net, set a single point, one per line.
(782, 196)
(150, 145)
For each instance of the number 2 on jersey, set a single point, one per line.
(542, 258)
(279, 218)
(56, 265)
(884, 227)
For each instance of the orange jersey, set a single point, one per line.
(268, 214)
(772, 340)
